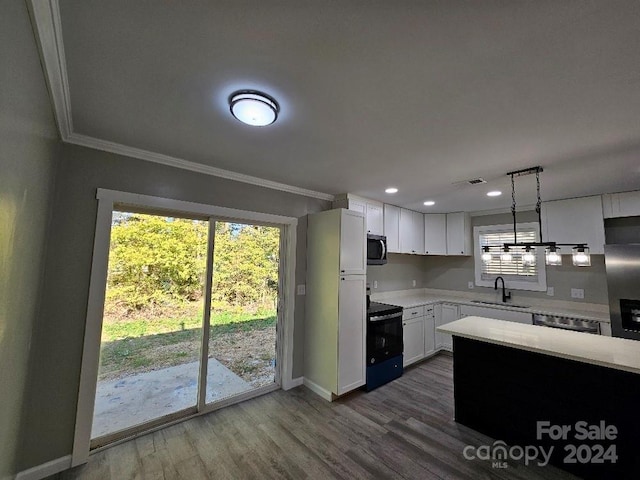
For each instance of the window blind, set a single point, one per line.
(515, 268)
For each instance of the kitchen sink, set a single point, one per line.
(501, 304)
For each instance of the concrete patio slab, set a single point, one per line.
(145, 396)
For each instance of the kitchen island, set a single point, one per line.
(535, 386)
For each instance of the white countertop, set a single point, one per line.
(618, 353)
(410, 299)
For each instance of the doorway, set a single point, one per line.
(189, 320)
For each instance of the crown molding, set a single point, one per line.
(47, 25)
(119, 149)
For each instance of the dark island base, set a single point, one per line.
(503, 392)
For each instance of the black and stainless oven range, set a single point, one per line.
(384, 344)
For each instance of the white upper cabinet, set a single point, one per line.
(392, 227)
(374, 216)
(353, 244)
(435, 233)
(372, 210)
(577, 220)
(459, 236)
(411, 232)
(626, 204)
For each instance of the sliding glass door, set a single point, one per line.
(189, 319)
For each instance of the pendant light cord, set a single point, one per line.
(538, 204)
(513, 208)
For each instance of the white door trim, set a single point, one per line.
(98, 282)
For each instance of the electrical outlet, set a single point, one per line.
(577, 293)
(302, 289)
(375, 284)
(550, 291)
(413, 282)
(470, 285)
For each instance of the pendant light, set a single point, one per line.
(529, 256)
(581, 256)
(553, 257)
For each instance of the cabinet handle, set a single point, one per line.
(404, 323)
(342, 278)
(341, 271)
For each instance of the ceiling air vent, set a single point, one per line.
(476, 181)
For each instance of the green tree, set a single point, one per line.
(156, 260)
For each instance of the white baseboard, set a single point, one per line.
(318, 390)
(46, 469)
(293, 383)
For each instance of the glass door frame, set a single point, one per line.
(110, 200)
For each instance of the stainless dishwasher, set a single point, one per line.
(567, 323)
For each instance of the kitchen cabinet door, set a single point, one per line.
(459, 237)
(577, 220)
(413, 338)
(448, 314)
(411, 232)
(353, 244)
(392, 228)
(435, 233)
(375, 223)
(497, 313)
(351, 332)
(429, 334)
(626, 204)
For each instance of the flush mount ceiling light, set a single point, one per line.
(391, 190)
(429, 203)
(581, 257)
(494, 193)
(253, 107)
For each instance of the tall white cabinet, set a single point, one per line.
(335, 323)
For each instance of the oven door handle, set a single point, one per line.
(389, 316)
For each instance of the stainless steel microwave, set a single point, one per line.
(376, 249)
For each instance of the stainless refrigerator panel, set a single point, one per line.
(623, 282)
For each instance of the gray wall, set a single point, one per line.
(58, 343)
(398, 273)
(454, 273)
(28, 151)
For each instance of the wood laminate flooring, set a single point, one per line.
(402, 430)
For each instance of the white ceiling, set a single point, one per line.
(418, 95)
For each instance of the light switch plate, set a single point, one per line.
(302, 289)
(413, 282)
(471, 285)
(551, 291)
(577, 293)
(375, 284)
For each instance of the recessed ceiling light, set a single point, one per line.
(428, 203)
(253, 107)
(494, 193)
(391, 190)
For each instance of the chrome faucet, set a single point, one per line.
(505, 296)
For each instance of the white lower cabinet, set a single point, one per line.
(413, 338)
(429, 331)
(447, 313)
(497, 313)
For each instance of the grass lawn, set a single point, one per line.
(135, 345)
